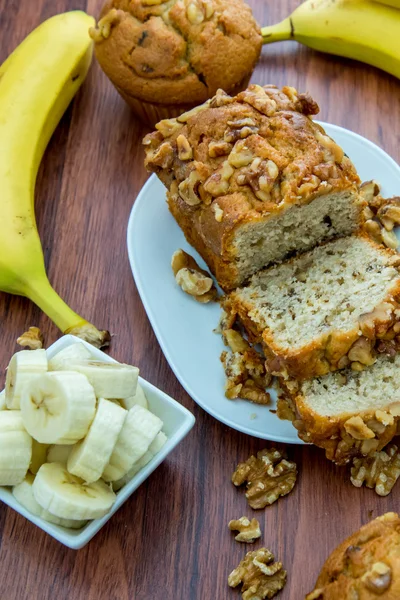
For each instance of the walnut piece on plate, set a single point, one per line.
(192, 279)
(259, 575)
(32, 339)
(249, 531)
(267, 477)
(245, 370)
(379, 471)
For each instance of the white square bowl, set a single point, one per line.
(177, 423)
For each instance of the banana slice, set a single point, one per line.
(63, 359)
(154, 449)
(3, 405)
(59, 454)
(23, 493)
(90, 457)
(68, 497)
(138, 399)
(15, 448)
(39, 456)
(58, 407)
(139, 430)
(109, 380)
(24, 368)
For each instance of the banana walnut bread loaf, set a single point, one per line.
(166, 56)
(332, 307)
(366, 566)
(253, 178)
(347, 413)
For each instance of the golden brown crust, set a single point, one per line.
(365, 566)
(253, 158)
(177, 52)
(332, 350)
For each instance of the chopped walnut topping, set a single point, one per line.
(378, 579)
(389, 238)
(218, 212)
(218, 183)
(162, 157)
(185, 151)
(370, 190)
(379, 471)
(241, 155)
(188, 189)
(389, 213)
(184, 118)
(361, 352)
(221, 98)
(168, 127)
(257, 97)
(216, 149)
(267, 477)
(245, 370)
(191, 278)
(103, 29)
(32, 339)
(332, 148)
(377, 322)
(249, 531)
(374, 231)
(240, 129)
(285, 409)
(259, 575)
(357, 429)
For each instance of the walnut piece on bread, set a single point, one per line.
(249, 531)
(245, 370)
(259, 575)
(381, 214)
(192, 279)
(379, 471)
(267, 477)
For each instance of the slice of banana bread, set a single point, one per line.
(252, 179)
(335, 306)
(348, 413)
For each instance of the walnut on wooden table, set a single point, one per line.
(379, 471)
(267, 477)
(245, 370)
(259, 575)
(192, 279)
(32, 339)
(249, 531)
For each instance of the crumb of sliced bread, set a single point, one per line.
(349, 413)
(310, 311)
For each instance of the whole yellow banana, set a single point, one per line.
(365, 30)
(37, 83)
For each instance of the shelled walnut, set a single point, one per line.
(32, 339)
(381, 214)
(192, 279)
(259, 575)
(249, 531)
(379, 471)
(267, 477)
(245, 370)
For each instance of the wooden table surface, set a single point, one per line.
(170, 540)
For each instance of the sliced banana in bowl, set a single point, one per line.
(88, 432)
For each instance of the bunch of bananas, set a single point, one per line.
(37, 83)
(366, 30)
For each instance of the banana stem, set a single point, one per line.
(279, 32)
(68, 321)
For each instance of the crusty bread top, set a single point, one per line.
(259, 152)
(324, 290)
(348, 392)
(178, 52)
(365, 566)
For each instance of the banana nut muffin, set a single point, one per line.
(365, 566)
(253, 178)
(166, 56)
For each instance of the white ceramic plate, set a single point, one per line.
(183, 327)
(177, 423)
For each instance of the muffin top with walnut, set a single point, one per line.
(177, 51)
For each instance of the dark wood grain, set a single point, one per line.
(170, 540)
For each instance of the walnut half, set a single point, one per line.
(192, 279)
(249, 531)
(259, 575)
(267, 477)
(32, 339)
(379, 471)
